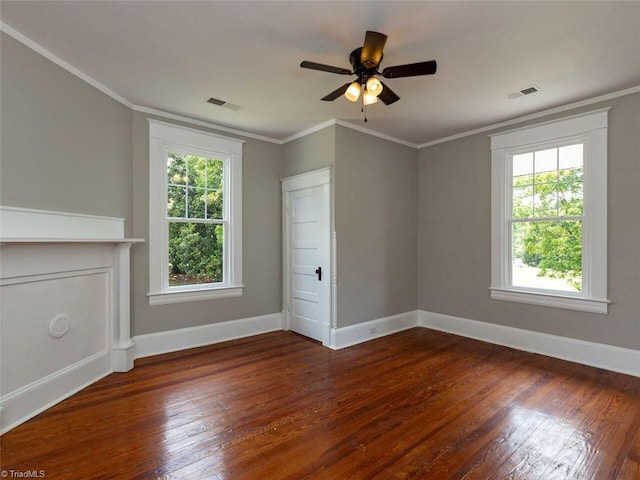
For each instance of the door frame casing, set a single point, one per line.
(315, 178)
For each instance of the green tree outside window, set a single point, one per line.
(542, 235)
(195, 212)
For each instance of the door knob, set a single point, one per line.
(319, 273)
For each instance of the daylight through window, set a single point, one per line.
(547, 218)
(549, 213)
(195, 215)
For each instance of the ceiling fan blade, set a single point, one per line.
(325, 68)
(336, 93)
(411, 70)
(372, 49)
(387, 96)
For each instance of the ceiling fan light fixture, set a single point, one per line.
(368, 98)
(365, 63)
(353, 92)
(374, 87)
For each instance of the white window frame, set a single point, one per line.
(165, 138)
(592, 127)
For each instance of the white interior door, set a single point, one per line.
(306, 203)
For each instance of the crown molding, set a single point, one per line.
(351, 126)
(533, 116)
(61, 63)
(151, 111)
(99, 86)
(373, 133)
(202, 123)
(309, 131)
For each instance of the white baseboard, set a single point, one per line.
(184, 338)
(353, 334)
(19, 406)
(608, 357)
(123, 356)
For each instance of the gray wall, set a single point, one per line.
(375, 218)
(374, 203)
(454, 237)
(311, 152)
(65, 146)
(262, 240)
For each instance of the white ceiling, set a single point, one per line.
(174, 55)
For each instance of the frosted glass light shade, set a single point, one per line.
(368, 98)
(374, 87)
(353, 92)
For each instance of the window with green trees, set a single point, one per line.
(195, 206)
(195, 214)
(547, 217)
(549, 213)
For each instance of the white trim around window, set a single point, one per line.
(592, 127)
(163, 138)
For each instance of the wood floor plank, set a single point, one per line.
(630, 469)
(417, 404)
(495, 442)
(471, 435)
(575, 459)
(535, 455)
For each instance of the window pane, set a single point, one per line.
(196, 202)
(176, 169)
(196, 170)
(570, 180)
(214, 204)
(570, 156)
(570, 192)
(215, 174)
(176, 201)
(194, 187)
(522, 201)
(546, 161)
(547, 255)
(195, 253)
(545, 203)
(523, 169)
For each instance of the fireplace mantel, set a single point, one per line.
(65, 318)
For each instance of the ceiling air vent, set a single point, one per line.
(525, 91)
(222, 103)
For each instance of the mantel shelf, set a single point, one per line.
(35, 241)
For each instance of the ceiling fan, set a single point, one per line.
(365, 61)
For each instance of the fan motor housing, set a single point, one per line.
(358, 68)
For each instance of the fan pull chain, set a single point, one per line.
(364, 109)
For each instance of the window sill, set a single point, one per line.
(182, 296)
(591, 305)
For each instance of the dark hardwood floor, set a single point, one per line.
(415, 405)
